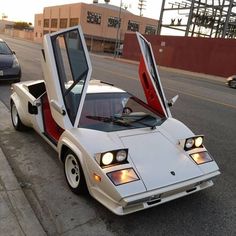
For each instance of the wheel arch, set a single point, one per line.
(16, 100)
(64, 146)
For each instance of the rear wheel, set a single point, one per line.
(15, 118)
(74, 173)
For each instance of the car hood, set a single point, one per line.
(155, 154)
(5, 61)
(158, 161)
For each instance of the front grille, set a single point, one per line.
(154, 201)
(5, 65)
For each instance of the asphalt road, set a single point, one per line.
(206, 105)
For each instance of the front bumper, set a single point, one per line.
(156, 197)
(10, 74)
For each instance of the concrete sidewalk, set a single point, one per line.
(16, 214)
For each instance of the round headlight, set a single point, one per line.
(107, 158)
(121, 155)
(198, 141)
(189, 143)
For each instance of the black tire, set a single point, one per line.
(232, 83)
(16, 80)
(74, 173)
(15, 118)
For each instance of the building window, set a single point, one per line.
(133, 26)
(63, 23)
(39, 22)
(150, 29)
(94, 18)
(45, 32)
(36, 34)
(46, 23)
(74, 21)
(113, 22)
(53, 23)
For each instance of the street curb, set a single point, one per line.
(16, 204)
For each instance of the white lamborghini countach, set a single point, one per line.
(127, 151)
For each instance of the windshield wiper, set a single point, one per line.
(153, 126)
(139, 120)
(126, 120)
(118, 121)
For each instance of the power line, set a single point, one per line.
(141, 6)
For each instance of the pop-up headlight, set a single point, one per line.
(114, 157)
(107, 158)
(192, 142)
(198, 141)
(123, 176)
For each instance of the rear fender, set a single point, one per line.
(22, 109)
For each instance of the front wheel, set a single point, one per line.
(232, 83)
(74, 173)
(15, 118)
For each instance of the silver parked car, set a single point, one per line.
(231, 81)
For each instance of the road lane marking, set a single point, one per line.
(174, 90)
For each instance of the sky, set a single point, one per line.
(24, 10)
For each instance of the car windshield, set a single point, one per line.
(4, 49)
(117, 111)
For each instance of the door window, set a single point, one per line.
(72, 68)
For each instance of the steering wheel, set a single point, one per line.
(127, 110)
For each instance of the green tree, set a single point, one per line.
(22, 25)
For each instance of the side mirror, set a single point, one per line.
(14, 52)
(172, 101)
(33, 110)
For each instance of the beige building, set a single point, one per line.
(5, 24)
(100, 23)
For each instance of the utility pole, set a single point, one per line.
(117, 44)
(161, 17)
(141, 6)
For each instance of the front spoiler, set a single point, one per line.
(156, 197)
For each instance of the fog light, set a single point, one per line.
(201, 157)
(123, 176)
